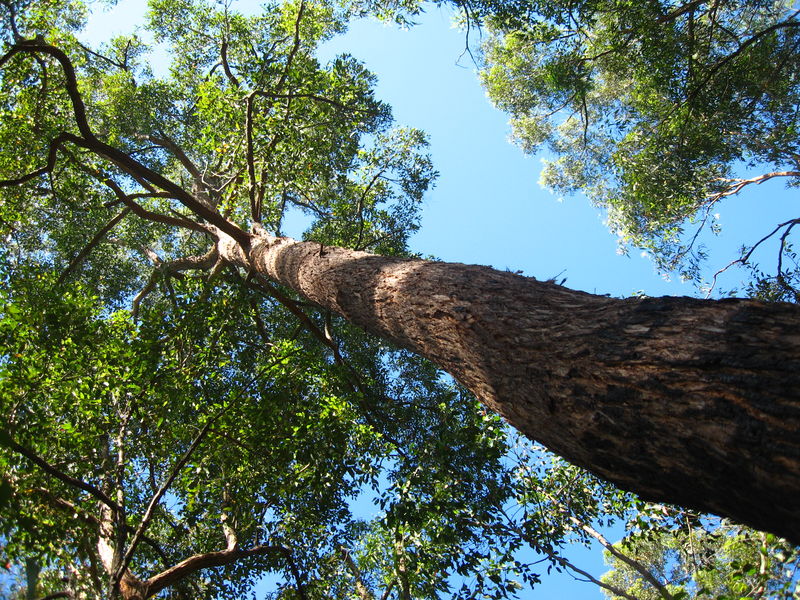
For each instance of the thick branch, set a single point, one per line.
(206, 560)
(168, 144)
(361, 587)
(226, 66)
(89, 141)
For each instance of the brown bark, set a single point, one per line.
(680, 400)
(197, 562)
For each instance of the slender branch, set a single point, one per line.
(260, 326)
(156, 499)
(52, 155)
(681, 10)
(75, 262)
(316, 97)
(635, 565)
(736, 185)
(590, 578)
(148, 514)
(61, 476)
(255, 209)
(295, 46)
(564, 562)
(781, 248)
(362, 197)
(743, 259)
(37, 45)
(74, 509)
(130, 165)
(111, 61)
(143, 293)
(742, 47)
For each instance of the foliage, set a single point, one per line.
(657, 111)
(714, 560)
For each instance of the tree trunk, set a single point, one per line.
(680, 400)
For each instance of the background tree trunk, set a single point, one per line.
(680, 400)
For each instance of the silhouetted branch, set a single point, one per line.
(92, 244)
(60, 475)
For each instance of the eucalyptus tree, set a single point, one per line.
(165, 196)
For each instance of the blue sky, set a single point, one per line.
(487, 207)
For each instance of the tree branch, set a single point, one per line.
(681, 10)
(225, 66)
(75, 262)
(742, 47)
(169, 144)
(123, 160)
(52, 155)
(255, 209)
(634, 564)
(140, 211)
(207, 560)
(148, 514)
(54, 472)
(361, 587)
(74, 509)
(315, 97)
(743, 259)
(563, 561)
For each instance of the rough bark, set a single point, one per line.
(680, 400)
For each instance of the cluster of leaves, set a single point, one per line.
(654, 110)
(702, 558)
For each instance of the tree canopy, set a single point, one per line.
(175, 423)
(657, 111)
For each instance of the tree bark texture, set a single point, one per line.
(680, 400)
